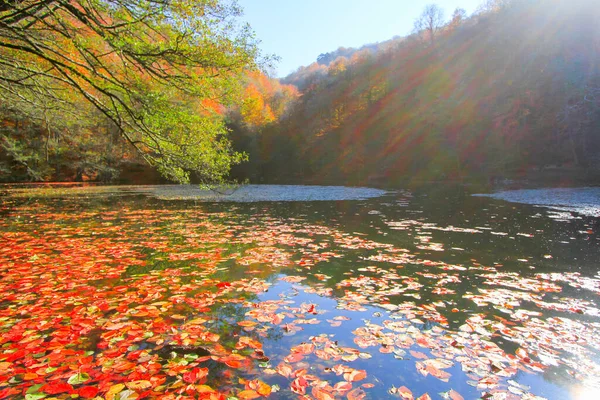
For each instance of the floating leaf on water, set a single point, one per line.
(78, 378)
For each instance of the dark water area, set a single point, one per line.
(118, 294)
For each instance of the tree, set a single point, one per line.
(145, 65)
(458, 16)
(430, 22)
(488, 6)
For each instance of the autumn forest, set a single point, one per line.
(512, 90)
(416, 218)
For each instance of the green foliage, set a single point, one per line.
(145, 66)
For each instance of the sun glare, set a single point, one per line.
(586, 392)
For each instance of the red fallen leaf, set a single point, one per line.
(221, 285)
(405, 393)
(418, 354)
(299, 385)
(454, 395)
(85, 360)
(8, 392)
(424, 397)
(103, 305)
(294, 357)
(211, 396)
(355, 375)
(56, 388)
(88, 392)
(357, 394)
(367, 385)
(15, 356)
(233, 360)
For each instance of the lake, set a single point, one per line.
(146, 292)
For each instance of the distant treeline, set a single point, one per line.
(511, 89)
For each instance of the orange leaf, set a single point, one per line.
(30, 376)
(262, 388)
(367, 385)
(405, 393)
(355, 375)
(322, 394)
(342, 387)
(284, 370)
(138, 385)
(304, 348)
(438, 373)
(245, 341)
(454, 395)
(357, 394)
(248, 395)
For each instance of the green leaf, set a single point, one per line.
(34, 396)
(78, 379)
(34, 388)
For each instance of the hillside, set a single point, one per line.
(513, 89)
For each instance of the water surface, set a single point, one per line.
(121, 294)
(585, 200)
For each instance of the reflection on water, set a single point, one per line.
(433, 292)
(585, 201)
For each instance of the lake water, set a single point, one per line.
(146, 292)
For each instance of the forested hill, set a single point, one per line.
(306, 75)
(512, 89)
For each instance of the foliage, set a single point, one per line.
(60, 149)
(145, 66)
(265, 104)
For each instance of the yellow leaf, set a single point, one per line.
(114, 389)
(248, 395)
(138, 385)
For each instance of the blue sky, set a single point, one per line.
(299, 30)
